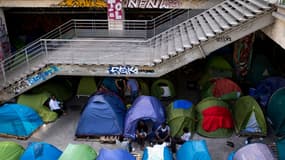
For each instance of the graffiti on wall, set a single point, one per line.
(224, 38)
(4, 40)
(23, 83)
(42, 76)
(125, 70)
(152, 3)
(115, 9)
(83, 3)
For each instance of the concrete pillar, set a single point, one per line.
(276, 31)
(115, 14)
(4, 39)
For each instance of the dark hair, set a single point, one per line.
(159, 142)
(121, 138)
(185, 130)
(164, 123)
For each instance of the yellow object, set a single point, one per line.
(128, 106)
(83, 3)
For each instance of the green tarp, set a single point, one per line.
(36, 101)
(10, 150)
(179, 117)
(78, 152)
(158, 92)
(243, 112)
(86, 86)
(276, 111)
(205, 104)
(61, 90)
(216, 67)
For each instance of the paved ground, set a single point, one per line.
(61, 132)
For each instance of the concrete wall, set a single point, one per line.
(197, 4)
(277, 31)
(29, 3)
(4, 38)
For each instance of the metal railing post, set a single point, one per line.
(46, 50)
(60, 34)
(171, 19)
(3, 71)
(154, 27)
(75, 28)
(27, 58)
(145, 29)
(188, 11)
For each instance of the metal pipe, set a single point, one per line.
(3, 71)
(46, 50)
(27, 58)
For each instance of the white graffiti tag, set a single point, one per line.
(123, 70)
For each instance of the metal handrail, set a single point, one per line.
(61, 42)
(279, 2)
(78, 28)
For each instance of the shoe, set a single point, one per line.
(231, 144)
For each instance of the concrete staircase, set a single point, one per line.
(173, 48)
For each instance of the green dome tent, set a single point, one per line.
(216, 67)
(214, 118)
(144, 89)
(248, 117)
(276, 111)
(281, 148)
(86, 86)
(78, 152)
(10, 150)
(62, 90)
(222, 88)
(180, 114)
(163, 88)
(37, 101)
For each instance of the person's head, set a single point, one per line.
(121, 138)
(185, 130)
(163, 125)
(53, 97)
(160, 142)
(141, 123)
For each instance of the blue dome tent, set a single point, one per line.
(18, 120)
(193, 150)
(157, 152)
(103, 115)
(143, 108)
(41, 151)
(114, 154)
(266, 88)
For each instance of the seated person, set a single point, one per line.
(141, 133)
(124, 144)
(185, 137)
(162, 133)
(54, 106)
(180, 140)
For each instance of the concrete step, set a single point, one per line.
(193, 37)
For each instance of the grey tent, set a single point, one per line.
(254, 151)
